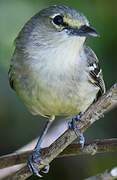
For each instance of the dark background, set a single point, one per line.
(17, 125)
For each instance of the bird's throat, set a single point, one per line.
(68, 52)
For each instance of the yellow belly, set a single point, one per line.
(62, 100)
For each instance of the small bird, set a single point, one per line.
(53, 71)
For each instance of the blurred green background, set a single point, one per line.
(17, 125)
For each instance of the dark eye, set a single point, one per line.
(58, 20)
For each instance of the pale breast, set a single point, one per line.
(62, 92)
(56, 84)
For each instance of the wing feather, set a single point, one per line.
(94, 70)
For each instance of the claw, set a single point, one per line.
(82, 140)
(46, 169)
(78, 117)
(72, 125)
(33, 164)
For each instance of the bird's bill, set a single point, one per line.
(83, 31)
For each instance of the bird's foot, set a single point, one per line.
(73, 125)
(34, 161)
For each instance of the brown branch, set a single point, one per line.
(93, 147)
(106, 175)
(94, 112)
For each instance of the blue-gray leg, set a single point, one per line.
(35, 158)
(72, 125)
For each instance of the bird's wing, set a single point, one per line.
(94, 71)
(11, 75)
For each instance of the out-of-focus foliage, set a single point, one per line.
(17, 125)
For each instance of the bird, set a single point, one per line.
(53, 71)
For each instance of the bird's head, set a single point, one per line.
(57, 24)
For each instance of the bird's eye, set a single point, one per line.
(58, 20)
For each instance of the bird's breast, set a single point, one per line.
(53, 84)
(59, 90)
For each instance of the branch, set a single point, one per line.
(93, 113)
(6, 172)
(93, 147)
(106, 175)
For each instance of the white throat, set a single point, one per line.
(66, 53)
(63, 55)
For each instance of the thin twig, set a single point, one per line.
(94, 112)
(106, 175)
(93, 147)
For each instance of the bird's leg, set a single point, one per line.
(72, 125)
(35, 158)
